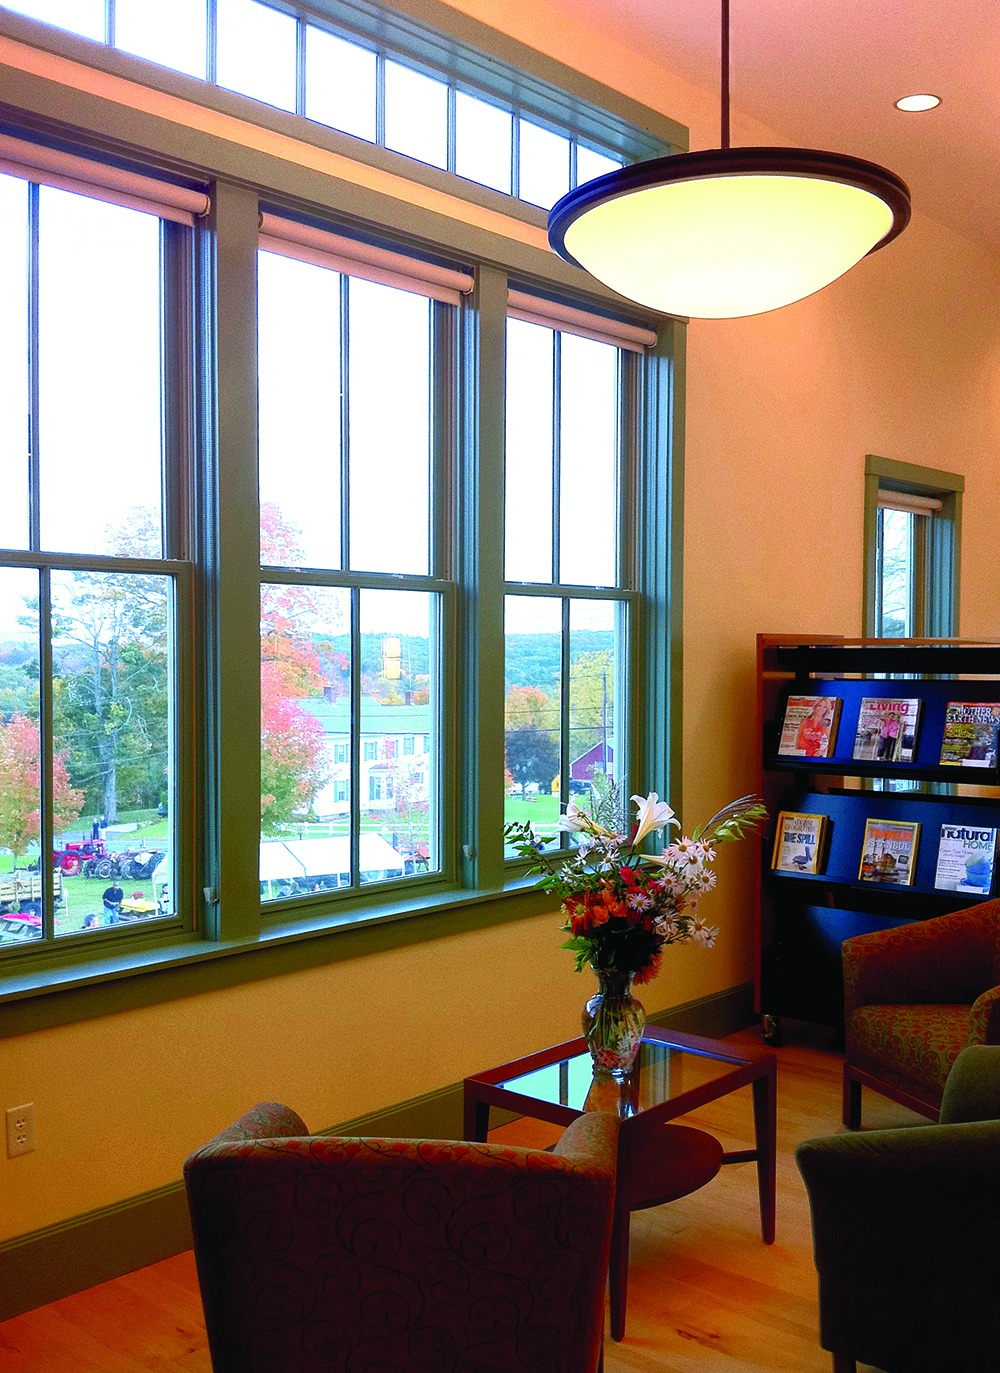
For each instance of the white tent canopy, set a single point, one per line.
(320, 857)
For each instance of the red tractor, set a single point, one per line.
(72, 857)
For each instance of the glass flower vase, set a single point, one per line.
(613, 1022)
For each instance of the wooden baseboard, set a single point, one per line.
(58, 1260)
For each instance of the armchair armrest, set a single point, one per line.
(947, 960)
(984, 1018)
(906, 1244)
(268, 1120)
(972, 1091)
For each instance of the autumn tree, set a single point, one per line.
(293, 765)
(528, 705)
(20, 817)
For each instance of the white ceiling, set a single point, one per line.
(826, 73)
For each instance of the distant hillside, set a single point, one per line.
(534, 659)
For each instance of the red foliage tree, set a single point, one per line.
(20, 819)
(292, 764)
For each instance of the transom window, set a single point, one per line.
(360, 88)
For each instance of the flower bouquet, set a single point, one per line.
(623, 906)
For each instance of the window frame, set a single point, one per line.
(224, 601)
(937, 571)
(32, 958)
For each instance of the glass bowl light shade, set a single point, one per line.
(729, 232)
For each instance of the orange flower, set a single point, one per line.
(647, 973)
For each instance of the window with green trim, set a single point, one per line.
(93, 587)
(912, 544)
(312, 516)
(565, 615)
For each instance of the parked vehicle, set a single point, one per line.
(71, 858)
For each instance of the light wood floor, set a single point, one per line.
(705, 1295)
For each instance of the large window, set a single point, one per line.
(328, 543)
(90, 658)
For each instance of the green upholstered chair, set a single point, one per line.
(914, 996)
(906, 1233)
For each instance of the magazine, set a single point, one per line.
(889, 852)
(970, 734)
(887, 729)
(809, 729)
(800, 842)
(965, 859)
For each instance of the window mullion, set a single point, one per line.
(345, 422)
(212, 46)
(356, 723)
(46, 828)
(564, 674)
(556, 448)
(34, 451)
(234, 609)
(480, 650)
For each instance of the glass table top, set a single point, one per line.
(662, 1073)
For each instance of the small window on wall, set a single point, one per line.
(912, 537)
(912, 541)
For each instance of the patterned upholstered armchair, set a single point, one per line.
(325, 1255)
(914, 996)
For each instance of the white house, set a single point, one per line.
(395, 751)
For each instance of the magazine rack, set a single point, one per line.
(801, 920)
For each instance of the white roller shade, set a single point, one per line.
(50, 167)
(325, 249)
(911, 504)
(555, 315)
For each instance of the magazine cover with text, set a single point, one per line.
(809, 729)
(889, 852)
(887, 729)
(800, 842)
(965, 859)
(970, 734)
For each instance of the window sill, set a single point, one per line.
(62, 993)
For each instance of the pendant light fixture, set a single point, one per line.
(729, 231)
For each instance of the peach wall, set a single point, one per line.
(899, 358)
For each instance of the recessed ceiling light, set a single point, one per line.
(918, 102)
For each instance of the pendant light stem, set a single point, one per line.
(725, 75)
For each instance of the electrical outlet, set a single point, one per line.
(20, 1130)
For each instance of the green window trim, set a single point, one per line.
(230, 932)
(937, 595)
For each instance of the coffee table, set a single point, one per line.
(657, 1161)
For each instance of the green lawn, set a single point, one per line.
(540, 812)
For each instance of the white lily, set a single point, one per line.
(653, 815)
(573, 821)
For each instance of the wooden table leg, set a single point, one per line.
(618, 1266)
(476, 1119)
(765, 1115)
